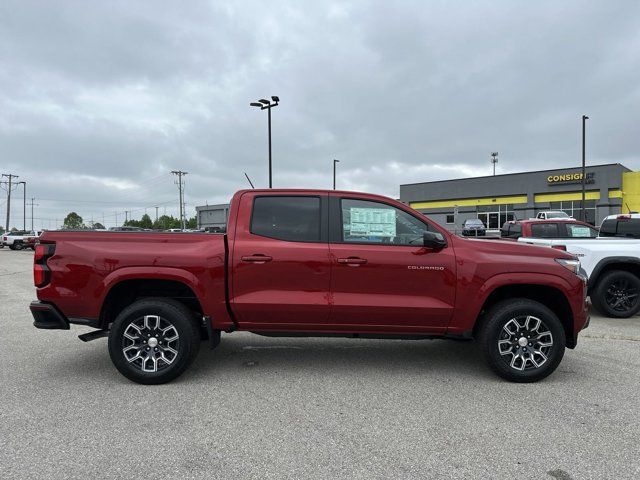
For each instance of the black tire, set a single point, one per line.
(537, 360)
(18, 245)
(134, 357)
(617, 294)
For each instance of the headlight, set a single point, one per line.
(573, 265)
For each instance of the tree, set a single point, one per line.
(166, 222)
(145, 221)
(191, 223)
(73, 220)
(97, 226)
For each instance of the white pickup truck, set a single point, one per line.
(18, 240)
(612, 266)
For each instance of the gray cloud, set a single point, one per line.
(100, 100)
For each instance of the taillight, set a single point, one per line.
(559, 247)
(41, 272)
(623, 217)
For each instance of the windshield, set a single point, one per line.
(474, 222)
(557, 215)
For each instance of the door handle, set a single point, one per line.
(257, 258)
(353, 261)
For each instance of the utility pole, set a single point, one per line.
(494, 160)
(180, 183)
(116, 213)
(24, 205)
(126, 217)
(334, 172)
(32, 204)
(10, 176)
(156, 215)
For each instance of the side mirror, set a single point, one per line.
(434, 240)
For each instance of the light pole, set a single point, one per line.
(268, 105)
(334, 172)
(583, 214)
(24, 205)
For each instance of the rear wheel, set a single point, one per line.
(617, 294)
(522, 340)
(154, 340)
(18, 245)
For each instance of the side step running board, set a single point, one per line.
(87, 337)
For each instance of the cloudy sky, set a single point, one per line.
(100, 100)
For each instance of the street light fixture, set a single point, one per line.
(334, 172)
(584, 174)
(265, 104)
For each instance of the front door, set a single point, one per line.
(382, 276)
(280, 259)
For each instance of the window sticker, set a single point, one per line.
(577, 231)
(372, 222)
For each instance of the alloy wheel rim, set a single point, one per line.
(621, 295)
(150, 343)
(525, 342)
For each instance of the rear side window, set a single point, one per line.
(545, 230)
(292, 218)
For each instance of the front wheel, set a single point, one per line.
(617, 294)
(153, 341)
(522, 340)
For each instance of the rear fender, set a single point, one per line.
(152, 273)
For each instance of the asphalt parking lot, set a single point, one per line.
(311, 408)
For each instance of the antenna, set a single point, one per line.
(249, 180)
(494, 160)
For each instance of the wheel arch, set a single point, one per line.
(628, 264)
(126, 291)
(550, 296)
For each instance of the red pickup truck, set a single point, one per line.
(312, 263)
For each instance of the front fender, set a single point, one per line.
(466, 315)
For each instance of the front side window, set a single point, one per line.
(545, 230)
(364, 221)
(580, 231)
(291, 218)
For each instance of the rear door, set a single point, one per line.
(280, 261)
(382, 276)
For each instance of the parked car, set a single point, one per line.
(627, 226)
(612, 266)
(310, 263)
(473, 227)
(567, 228)
(553, 214)
(18, 240)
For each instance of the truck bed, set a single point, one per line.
(87, 266)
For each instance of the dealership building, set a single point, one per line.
(610, 189)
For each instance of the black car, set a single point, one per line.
(473, 227)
